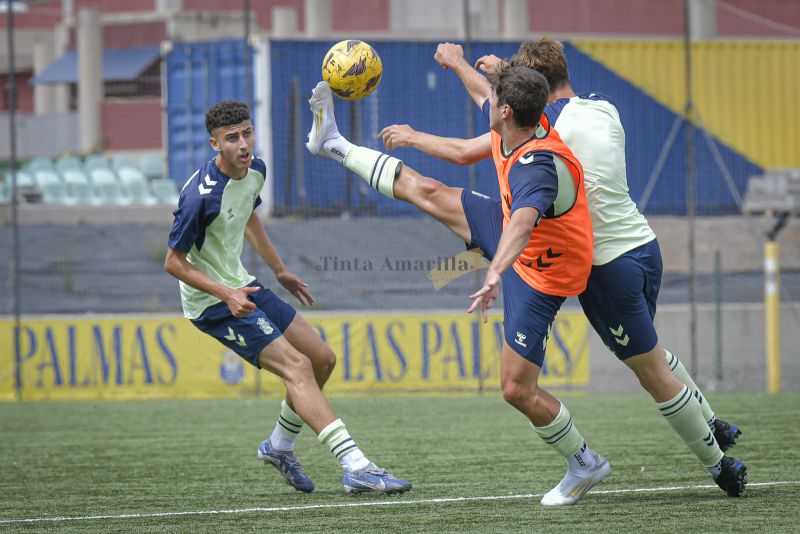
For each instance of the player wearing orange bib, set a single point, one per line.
(539, 241)
(558, 256)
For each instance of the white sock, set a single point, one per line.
(354, 461)
(584, 459)
(377, 169)
(337, 148)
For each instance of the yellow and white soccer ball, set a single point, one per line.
(352, 68)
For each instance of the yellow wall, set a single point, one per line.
(746, 92)
(166, 357)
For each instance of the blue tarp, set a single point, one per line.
(119, 64)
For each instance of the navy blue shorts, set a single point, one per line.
(247, 336)
(620, 300)
(528, 314)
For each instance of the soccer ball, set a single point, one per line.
(352, 68)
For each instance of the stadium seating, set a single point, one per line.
(106, 188)
(95, 161)
(67, 163)
(55, 193)
(152, 165)
(121, 160)
(165, 191)
(39, 164)
(44, 177)
(79, 188)
(134, 183)
(26, 183)
(95, 180)
(5, 193)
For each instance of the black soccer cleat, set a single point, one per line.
(725, 433)
(733, 477)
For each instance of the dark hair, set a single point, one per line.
(545, 55)
(524, 90)
(226, 113)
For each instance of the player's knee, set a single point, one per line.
(298, 367)
(326, 362)
(517, 394)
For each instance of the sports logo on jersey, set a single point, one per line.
(541, 264)
(526, 159)
(265, 326)
(520, 339)
(230, 213)
(209, 182)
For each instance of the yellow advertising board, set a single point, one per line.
(134, 357)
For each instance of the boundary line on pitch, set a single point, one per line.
(301, 507)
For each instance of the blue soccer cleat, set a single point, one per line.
(289, 466)
(725, 433)
(733, 477)
(373, 479)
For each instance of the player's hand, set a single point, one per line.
(238, 302)
(397, 135)
(296, 287)
(485, 296)
(448, 54)
(488, 64)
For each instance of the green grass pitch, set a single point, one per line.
(189, 466)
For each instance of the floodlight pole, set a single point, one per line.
(12, 141)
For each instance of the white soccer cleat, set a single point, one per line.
(574, 486)
(324, 127)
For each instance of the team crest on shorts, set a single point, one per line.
(265, 326)
(521, 339)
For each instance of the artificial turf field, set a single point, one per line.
(189, 466)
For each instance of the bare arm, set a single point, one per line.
(257, 236)
(178, 266)
(451, 149)
(512, 242)
(451, 56)
(514, 238)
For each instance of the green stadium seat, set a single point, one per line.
(79, 188)
(26, 183)
(152, 165)
(45, 177)
(139, 193)
(68, 163)
(39, 164)
(130, 174)
(95, 161)
(55, 193)
(134, 183)
(122, 159)
(106, 188)
(165, 191)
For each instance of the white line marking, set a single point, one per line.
(371, 503)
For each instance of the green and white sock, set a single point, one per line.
(684, 415)
(287, 428)
(377, 169)
(338, 440)
(682, 374)
(562, 435)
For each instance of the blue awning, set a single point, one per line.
(119, 64)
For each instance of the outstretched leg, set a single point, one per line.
(384, 173)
